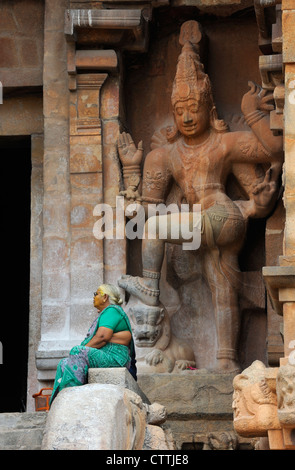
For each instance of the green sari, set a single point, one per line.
(73, 370)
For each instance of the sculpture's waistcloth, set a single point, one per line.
(73, 370)
(224, 226)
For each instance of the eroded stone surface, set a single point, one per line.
(95, 417)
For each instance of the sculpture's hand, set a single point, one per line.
(128, 153)
(256, 98)
(264, 192)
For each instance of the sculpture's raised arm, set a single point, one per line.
(130, 156)
(155, 183)
(156, 177)
(260, 144)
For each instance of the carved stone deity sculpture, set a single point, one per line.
(197, 156)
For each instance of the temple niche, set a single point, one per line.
(184, 291)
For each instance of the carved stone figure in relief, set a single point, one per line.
(286, 395)
(158, 349)
(197, 155)
(255, 401)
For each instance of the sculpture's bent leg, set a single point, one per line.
(158, 230)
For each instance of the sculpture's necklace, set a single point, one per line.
(189, 153)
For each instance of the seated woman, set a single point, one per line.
(108, 343)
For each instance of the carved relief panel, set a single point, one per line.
(190, 287)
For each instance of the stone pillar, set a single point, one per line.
(81, 170)
(287, 293)
(37, 145)
(56, 204)
(87, 270)
(288, 24)
(114, 249)
(130, 24)
(280, 280)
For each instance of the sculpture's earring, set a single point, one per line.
(172, 133)
(213, 115)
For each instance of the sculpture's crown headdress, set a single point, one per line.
(190, 80)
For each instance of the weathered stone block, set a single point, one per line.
(288, 5)
(85, 155)
(56, 286)
(87, 183)
(116, 376)
(7, 20)
(56, 217)
(197, 403)
(85, 251)
(56, 254)
(289, 240)
(190, 393)
(29, 16)
(21, 431)
(95, 417)
(84, 281)
(290, 165)
(30, 53)
(82, 316)
(157, 439)
(21, 115)
(55, 320)
(110, 99)
(288, 26)
(8, 53)
(82, 215)
(110, 132)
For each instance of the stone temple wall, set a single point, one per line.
(77, 73)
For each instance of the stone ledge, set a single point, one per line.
(47, 358)
(116, 376)
(199, 394)
(22, 431)
(277, 278)
(197, 402)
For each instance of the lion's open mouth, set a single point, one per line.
(146, 338)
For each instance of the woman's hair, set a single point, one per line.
(112, 292)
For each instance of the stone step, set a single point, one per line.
(22, 431)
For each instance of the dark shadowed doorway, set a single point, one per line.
(15, 155)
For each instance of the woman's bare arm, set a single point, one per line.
(101, 338)
(122, 337)
(106, 335)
